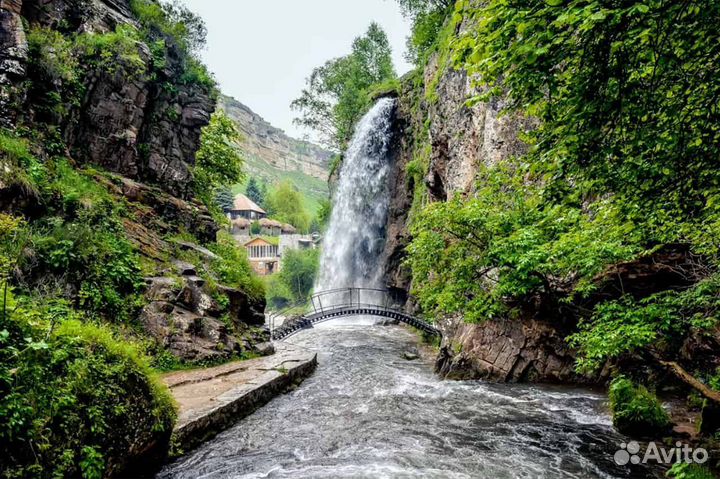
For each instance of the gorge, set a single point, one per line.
(540, 190)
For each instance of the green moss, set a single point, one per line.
(636, 411)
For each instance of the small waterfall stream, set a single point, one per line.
(356, 235)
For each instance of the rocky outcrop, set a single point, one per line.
(185, 318)
(457, 140)
(507, 350)
(13, 57)
(267, 144)
(144, 125)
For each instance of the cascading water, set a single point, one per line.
(369, 413)
(356, 235)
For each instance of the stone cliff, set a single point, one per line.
(144, 124)
(454, 140)
(271, 145)
(139, 119)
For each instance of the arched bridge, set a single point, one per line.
(336, 303)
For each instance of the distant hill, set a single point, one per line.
(273, 156)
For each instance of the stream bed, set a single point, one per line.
(368, 412)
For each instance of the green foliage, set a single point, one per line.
(172, 22)
(335, 163)
(428, 17)
(74, 400)
(218, 162)
(505, 244)
(635, 410)
(19, 166)
(623, 92)
(224, 198)
(294, 283)
(278, 294)
(682, 470)
(621, 326)
(255, 191)
(285, 203)
(337, 93)
(113, 51)
(233, 268)
(171, 19)
(620, 160)
(323, 215)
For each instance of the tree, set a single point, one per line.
(254, 192)
(336, 95)
(224, 198)
(299, 269)
(218, 162)
(286, 203)
(427, 17)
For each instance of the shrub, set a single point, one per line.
(18, 166)
(233, 268)
(683, 470)
(635, 410)
(77, 404)
(298, 272)
(113, 50)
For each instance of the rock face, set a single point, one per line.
(144, 126)
(13, 56)
(461, 140)
(272, 146)
(510, 350)
(184, 318)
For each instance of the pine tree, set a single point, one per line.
(253, 191)
(224, 198)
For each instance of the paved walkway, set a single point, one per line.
(213, 399)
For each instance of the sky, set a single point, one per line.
(261, 51)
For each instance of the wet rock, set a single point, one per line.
(410, 355)
(507, 350)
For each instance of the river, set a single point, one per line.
(369, 413)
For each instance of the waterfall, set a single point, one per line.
(356, 235)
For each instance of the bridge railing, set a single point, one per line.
(350, 297)
(339, 298)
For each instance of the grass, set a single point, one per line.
(314, 190)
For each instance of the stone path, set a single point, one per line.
(213, 399)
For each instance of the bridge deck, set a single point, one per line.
(380, 308)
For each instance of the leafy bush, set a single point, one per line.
(298, 272)
(18, 166)
(481, 255)
(113, 50)
(233, 268)
(635, 410)
(74, 401)
(681, 470)
(621, 326)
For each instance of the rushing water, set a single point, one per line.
(356, 234)
(367, 412)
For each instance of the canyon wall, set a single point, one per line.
(437, 125)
